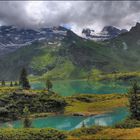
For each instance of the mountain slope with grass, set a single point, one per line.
(74, 57)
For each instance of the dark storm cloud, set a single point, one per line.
(78, 14)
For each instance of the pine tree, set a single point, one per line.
(48, 84)
(16, 84)
(11, 84)
(3, 83)
(23, 81)
(134, 101)
(27, 122)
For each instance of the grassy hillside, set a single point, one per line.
(73, 57)
(94, 104)
(43, 59)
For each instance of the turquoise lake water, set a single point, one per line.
(71, 87)
(72, 122)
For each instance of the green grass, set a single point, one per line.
(61, 71)
(74, 58)
(122, 75)
(94, 104)
(40, 101)
(103, 133)
(41, 62)
(6, 89)
(86, 131)
(95, 132)
(97, 75)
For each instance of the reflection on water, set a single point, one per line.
(67, 87)
(72, 122)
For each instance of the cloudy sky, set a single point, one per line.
(75, 14)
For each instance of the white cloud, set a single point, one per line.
(78, 14)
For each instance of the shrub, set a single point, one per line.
(128, 123)
(14, 103)
(31, 134)
(3, 112)
(86, 131)
(84, 99)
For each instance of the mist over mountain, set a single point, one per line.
(108, 32)
(77, 14)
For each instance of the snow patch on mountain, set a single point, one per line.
(12, 38)
(108, 32)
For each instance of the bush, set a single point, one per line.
(84, 99)
(14, 103)
(128, 123)
(3, 112)
(31, 134)
(86, 131)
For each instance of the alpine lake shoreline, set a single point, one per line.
(75, 105)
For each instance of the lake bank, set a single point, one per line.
(68, 122)
(106, 109)
(48, 109)
(87, 105)
(97, 133)
(105, 133)
(76, 87)
(78, 105)
(82, 104)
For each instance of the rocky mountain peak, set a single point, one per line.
(12, 38)
(136, 27)
(108, 32)
(111, 30)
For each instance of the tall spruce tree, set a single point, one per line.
(48, 84)
(23, 81)
(134, 101)
(11, 84)
(3, 83)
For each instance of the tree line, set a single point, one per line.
(24, 82)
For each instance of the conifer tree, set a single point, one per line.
(134, 101)
(3, 83)
(48, 84)
(16, 84)
(11, 84)
(23, 81)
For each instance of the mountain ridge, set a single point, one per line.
(12, 38)
(107, 33)
(74, 57)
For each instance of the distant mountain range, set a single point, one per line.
(61, 54)
(108, 32)
(12, 38)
